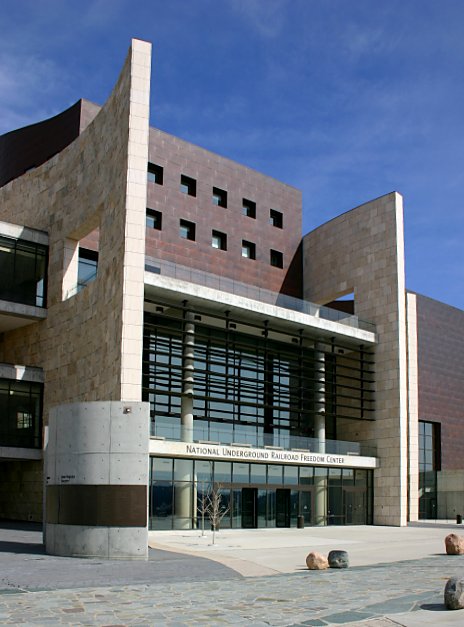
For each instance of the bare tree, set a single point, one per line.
(215, 509)
(202, 506)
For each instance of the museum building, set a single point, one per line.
(168, 331)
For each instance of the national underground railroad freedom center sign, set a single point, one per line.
(198, 450)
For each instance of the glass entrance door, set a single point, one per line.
(355, 506)
(282, 508)
(249, 508)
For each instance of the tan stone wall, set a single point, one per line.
(362, 251)
(21, 490)
(90, 346)
(413, 408)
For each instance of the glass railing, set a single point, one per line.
(249, 436)
(223, 284)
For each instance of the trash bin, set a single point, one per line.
(300, 522)
(459, 519)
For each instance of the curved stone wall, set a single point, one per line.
(362, 251)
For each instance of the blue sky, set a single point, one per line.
(345, 99)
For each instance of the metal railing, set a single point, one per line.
(240, 435)
(224, 284)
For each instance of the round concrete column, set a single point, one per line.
(96, 480)
(188, 356)
(319, 398)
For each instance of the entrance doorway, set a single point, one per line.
(282, 508)
(249, 508)
(355, 506)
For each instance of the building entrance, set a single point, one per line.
(249, 508)
(256, 496)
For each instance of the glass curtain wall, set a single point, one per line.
(20, 414)
(23, 267)
(252, 388)
(429, 464)
(254, 495)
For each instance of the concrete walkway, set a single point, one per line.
(258, 552)
(396, 577)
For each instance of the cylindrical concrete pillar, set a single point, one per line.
(96, 482)
(188, 356)
(319, 398)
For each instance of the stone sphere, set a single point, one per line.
(454, 593)
(338, 559)
(316, 561)
(454, 544)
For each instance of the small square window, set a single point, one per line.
(249, 208)
(219, 197)
(187, 230)
(155, 174)
(219, 240)
(277, 259)
(188, 185)
(276, 218)
(153, 219)
(248, 249)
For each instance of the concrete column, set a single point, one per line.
(183, 487)
(320, 482)
(319, 398)
(96, 482)
(186, 406)
(320, 499)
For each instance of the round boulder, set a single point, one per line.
(316, 561)
(454, 593)
(454, 544)
(338, 559)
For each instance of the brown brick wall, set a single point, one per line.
(440, 353)
(210, 170)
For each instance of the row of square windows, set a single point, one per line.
(187, 230)
(155, 174)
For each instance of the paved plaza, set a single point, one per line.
(253, 578)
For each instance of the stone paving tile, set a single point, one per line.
(363, 596)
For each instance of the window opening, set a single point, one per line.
(219, 197)
(188, 185)
(153, 219)
(276, 218)
(219, 240)
(187, 230)
(155, 174)
(249, 208)
(248, 249)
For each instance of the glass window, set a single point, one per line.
(249, 208)
(241, 472)
(222, 472)
(155, 174)
(274, 474)
(248, 249)
(306, 475)
(219, 240)
(258, 473)
(276, 218)
(219, 197)
(23, 267)
(188, 185)
(87, 268)
(20, 414)
(204, 471)
(291, 475)
(162, 468)
(153, 219)
(187, 230)
(276, 259)
(183, 470)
